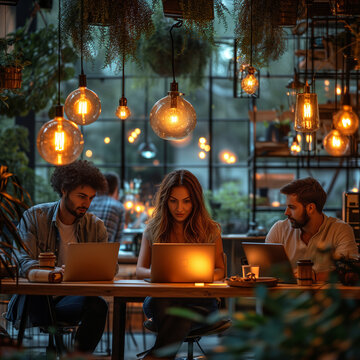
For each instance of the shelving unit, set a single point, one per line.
(275, 158)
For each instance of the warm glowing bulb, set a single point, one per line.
(202, 155)
(308, 138)
(346, 121)
(326, 82)
(232, 159)
(226, 156)
(207, 148)
(275, 204)
(107, 140)
(60, 141)
(139, 207)
(202, 140)
(137, 131)
(150, 210)
(122, 112)
(134, 134)
(295, 148)
(88, 153)
(202, 146)
(82, 106)
(172, 117)
(307, 112)
(354, 189)
(128, 205)
(250, 84)
(131, 139)
(338, 90)
(335, 143)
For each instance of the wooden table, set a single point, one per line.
(125, 291)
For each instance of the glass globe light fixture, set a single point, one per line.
(122, 111)
(335, 143)
(306, 111)
(250, 84)
(345, 120)
(172, 117)
(60, 141)
(82, 106)
(147, 150)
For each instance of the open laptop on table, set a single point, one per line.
(92, 261)
(272, 260)
(183, 262)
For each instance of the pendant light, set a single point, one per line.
(59, 141)
(82, 105)
(147, 149)
(122, 111)
(250, 83)
(335, 143)
(294, 86)
(306, 108)
(172, 117)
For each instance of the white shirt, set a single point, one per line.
(67, 235)
(333, 234)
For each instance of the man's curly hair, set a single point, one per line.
(79, 173)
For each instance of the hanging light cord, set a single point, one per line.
(59, 48)
(306, 40)
(177, 25)
(251, 32)
(123, 74)
(81, 36)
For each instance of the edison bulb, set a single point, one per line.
(122, 111)
(335, 143)
(172, 117)
(82, 106)
(307, 112)
(346, 121)
(295, 148)
(60, 141)
(250, 84)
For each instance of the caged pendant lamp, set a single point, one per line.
(82, 105)
(172, 117)
(122, 111)
(59, 141)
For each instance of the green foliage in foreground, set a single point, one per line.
(295, 325)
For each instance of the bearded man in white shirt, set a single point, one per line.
(308, 233)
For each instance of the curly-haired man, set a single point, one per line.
(50, 227)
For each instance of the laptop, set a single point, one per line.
(182, 263)
(272, 259)
(92, 261)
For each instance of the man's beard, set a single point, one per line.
(299, 224)
(69, 205)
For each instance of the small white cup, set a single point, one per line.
(246, 269)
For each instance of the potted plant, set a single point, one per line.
(191, 52)
(40, 80)
(11, 64)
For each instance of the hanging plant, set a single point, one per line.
(39, 81)
(191, 52)
(198, 15)
(117, 26)
(268, 38)
(11, 64)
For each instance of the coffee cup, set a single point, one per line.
(250, 269)
(305, 272)
(47, 260)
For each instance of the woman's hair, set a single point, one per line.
(80, 172)
(198, 227)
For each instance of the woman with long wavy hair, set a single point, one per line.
(180, 216)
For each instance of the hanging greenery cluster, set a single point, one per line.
(191, 52)
(268, 39)
(198, 16)
(116, 26)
